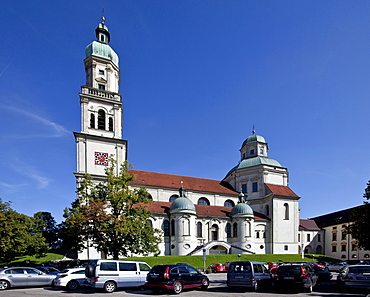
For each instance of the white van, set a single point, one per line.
(112, 274)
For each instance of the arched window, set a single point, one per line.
(286, 211)
(229, 203)
(366, 256)
(150, 223)
(149, 197)
(228, 230)
(203, 201)
(110, 124)
(92, 121)
(173, 197)
(235, 230)
(199, 229)
(173, 227)
(101, 119)
(166, 228)
(214, 232)
(319, 249)
(186, 226)
(267, 210)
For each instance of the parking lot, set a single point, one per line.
(217, 288)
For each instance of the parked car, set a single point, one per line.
(24, 277)
(227, 264)
(48, 269)
(175, 277)
(71, 278)
(217, 267)
(247, 274)
(295, 275)
(336, 267)
(112, 274)
(323, 275)
(354, 276)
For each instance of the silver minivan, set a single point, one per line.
(247, 274)
(112, 274)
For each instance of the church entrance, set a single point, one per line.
(217, 250)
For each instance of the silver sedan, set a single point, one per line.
(24, 277)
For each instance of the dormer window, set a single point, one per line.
(251, 152)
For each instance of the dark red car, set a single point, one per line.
(175, 278)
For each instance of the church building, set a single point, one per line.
(251, 210)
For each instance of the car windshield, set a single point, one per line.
(290, 269)
(158, 268)
(240, 268)
(359, 269)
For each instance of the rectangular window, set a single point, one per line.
(333, 248)
(344, 235)
(285, 247)
(244, 188)
(308, 237)
(255, 187)
(101, 72)
(108, 266)
(344, 248)
(354, 247)
(101, 87)
(319, 237)
(334, 236)
(127, 267)
(299, 237)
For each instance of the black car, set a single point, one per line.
(295, 275)
(175, 277)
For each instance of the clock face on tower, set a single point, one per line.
(101, 158)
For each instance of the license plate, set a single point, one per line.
(363, 278)
(288, 277)
(239, 276)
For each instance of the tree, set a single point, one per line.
(360, 217)
(47, 225)
(19, 235)
(112, 216)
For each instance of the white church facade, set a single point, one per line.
(251, 210)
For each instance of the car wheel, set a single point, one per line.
(177, 287)
(4, 285)
(256, 286)
(110, 287)
(72, 285)
(205, 284)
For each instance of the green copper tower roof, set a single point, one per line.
(101, 48)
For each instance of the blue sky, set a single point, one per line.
(195, 77)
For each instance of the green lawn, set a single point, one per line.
(195, 261)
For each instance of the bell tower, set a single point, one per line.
(101, 110)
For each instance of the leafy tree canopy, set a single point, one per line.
(47, 225)
(112, 216)
(19, 235)
(360, 217)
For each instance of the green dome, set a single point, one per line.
(241, 209)
(101, 50)
(254, 138)
(182, 203)
(250, 162)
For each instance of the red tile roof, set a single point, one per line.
(281, 190)
(163, 180)
(201, 210)
(308, 225)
